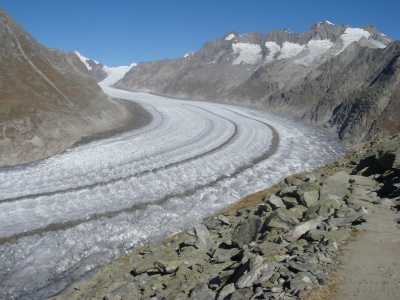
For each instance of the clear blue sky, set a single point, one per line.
(119, 32)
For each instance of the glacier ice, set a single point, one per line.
(74, 212)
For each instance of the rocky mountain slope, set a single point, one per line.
(48, 100)
(104, 75)
(342, 78)
(281, 248)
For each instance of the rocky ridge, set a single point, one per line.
(48, 101)
(334, 76)
(281, 248)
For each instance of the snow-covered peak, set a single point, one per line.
(85, 60)
(326, 21)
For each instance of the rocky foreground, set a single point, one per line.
(283, 245)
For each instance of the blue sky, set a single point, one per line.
(119, 32)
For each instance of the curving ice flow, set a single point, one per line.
(64, 217)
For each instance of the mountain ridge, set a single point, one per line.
(264, 70)
(48, 101)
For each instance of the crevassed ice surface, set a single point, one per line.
(316, 48)
(64, 217)
(247, 53)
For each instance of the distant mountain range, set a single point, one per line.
(344, 79)
(48, 101)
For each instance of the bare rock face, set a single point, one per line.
(332, 76)
(48, 100)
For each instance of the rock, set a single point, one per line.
(300, 229)
(167, 266)
(288, 191)
(289, 202)
(300, 283)
(308, 198)
(301, 267)
(298, 211)
(265, 275)
(325, 207)
(242, 294)
(311, 178)
(126, 289)
(362, 181)
(224, 220)
(281, 219)
(226, 291)
(203, 237)
(338, 179)
(202, 292)
(212, 224)
(256, 261)
(246, 231)
(267, 249)
(248, 279)
(147, 264)
(316, 235)
(224, 255)
(275, 202)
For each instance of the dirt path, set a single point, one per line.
(371, 264)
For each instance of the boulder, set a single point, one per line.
(203, 237)
(275, 202)
(281, 219)
(226, 291)
(246, 231)
(297, 231)
(325, 207)
(248, 279)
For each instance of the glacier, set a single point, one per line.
(64, 217)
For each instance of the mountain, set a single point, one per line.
(334, 76)
(48, 101)
(106, 76)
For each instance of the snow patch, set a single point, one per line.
(316, 48)
(229, 37)
(378, 44)
(247, 53)
(273, 49)
(352, 35)
(326, 21)
(290, 50)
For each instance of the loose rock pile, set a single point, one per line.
(280, 249)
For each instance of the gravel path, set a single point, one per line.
(371, 264)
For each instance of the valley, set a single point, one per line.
(65, 216)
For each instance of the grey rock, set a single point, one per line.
(246, 231)
(224, 220)
(248, 279)
(300, 282)
(308, 198)
(300, 229)
(281, 219)
(275, 202)
(203, 237)
(226, 291)
(338, 179)
(289, 202)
